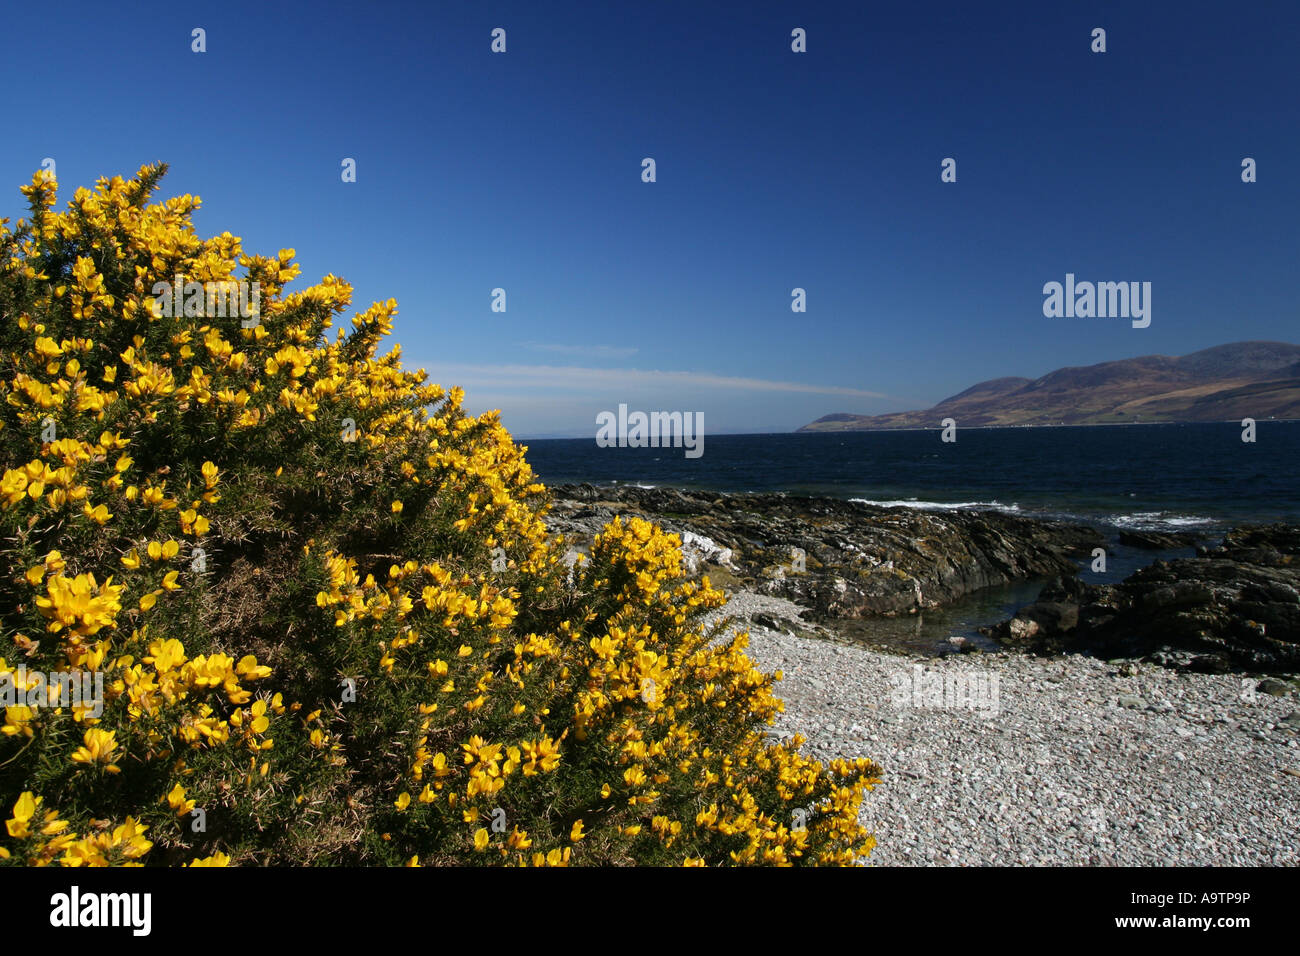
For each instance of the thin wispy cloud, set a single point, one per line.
(586, 351)
(571, 377)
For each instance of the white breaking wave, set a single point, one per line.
(938, 505)
(1155, 520)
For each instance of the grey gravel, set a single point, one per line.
(1040, 761)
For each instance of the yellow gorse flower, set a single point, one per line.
(98, 748)
(80, 604)
(344, 521)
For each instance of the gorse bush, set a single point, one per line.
(329, 621)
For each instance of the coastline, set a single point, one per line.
(1084, 762)
(1188, 600)
(803, 430)
(1042, 759)
(1201, 476)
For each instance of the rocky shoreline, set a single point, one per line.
(839, 559)
(1061, 761)
(1235, 606)
(1232, 607)
(1040, 754)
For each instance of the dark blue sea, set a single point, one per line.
(1195, 477)
(1199, 477)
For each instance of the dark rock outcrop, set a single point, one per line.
(1158, 540)
(1232, 607)
(839, 559)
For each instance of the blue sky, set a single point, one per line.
(775, 170)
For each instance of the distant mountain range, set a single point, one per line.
(1256, 380)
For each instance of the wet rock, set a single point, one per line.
(843, 559)
(1158, 540)
(1232, 607)
(1274, 688)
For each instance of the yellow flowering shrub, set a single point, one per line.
(330, 624)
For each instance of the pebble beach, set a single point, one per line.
(1072, 760)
